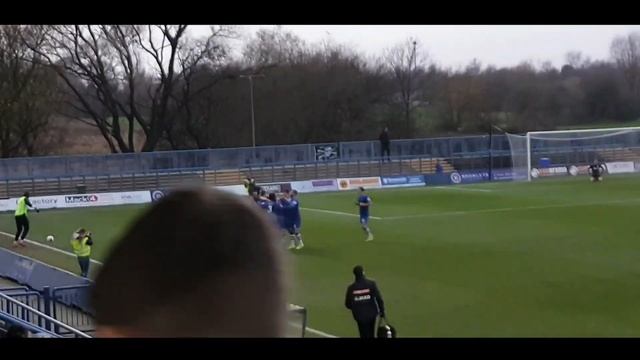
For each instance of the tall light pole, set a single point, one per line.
(407, 113)
(253, 119)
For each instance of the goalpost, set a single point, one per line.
(541, 154)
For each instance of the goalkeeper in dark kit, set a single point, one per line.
(596, 170)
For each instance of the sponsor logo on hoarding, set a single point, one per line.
(620, 167)
(271, 188)
(573, 170)
(157, 195)
(395, 181)
(322, 183)
(503, 175)
(474, 176)
(82, 200)
(354, 183)
(307, 186)
(44, 201)
(535, 173)
(234, 189)
(74, 199)
(277, 188)
(578, 170)
(551, 171)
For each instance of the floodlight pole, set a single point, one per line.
(253, 119)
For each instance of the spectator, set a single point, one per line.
(365, 302)
(438, 167)
(15, 332)
(385, 144)
(81, 242)
(199, 263)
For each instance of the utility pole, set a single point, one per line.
(412, 67)
(253, 119)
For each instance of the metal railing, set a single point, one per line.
(70, 304)
(23, 314)
(302, 170)
(234, 158)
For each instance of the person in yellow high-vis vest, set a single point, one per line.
(22, 222)
(81, 243)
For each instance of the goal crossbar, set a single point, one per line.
(583, 130)
(522, 146)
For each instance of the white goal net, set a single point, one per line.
(569, 152)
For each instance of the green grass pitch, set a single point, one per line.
(556, 257)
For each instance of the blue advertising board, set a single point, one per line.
(402, 181)
(469, 177)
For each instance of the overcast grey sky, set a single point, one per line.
(457, 45)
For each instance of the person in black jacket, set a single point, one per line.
(385, 144)
(365, 302)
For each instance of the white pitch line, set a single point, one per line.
(313, 331)
(49, 247)
(539, 207)
(461, 188)
(338, 213)
(320, 333)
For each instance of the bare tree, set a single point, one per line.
(625, 51)
(27, 95)
(274, 46)
(123, 74)
(577, 60)
(405, 62)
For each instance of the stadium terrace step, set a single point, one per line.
(619, 154)
(221, 178)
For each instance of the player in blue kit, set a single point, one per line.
(296, 220)
(291, 219)
(262, 201)
(278, 209)
(364, 203)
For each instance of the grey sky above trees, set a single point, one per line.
(173, 87)
(457, 45)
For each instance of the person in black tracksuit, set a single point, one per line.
(365, 302)
(385, 144)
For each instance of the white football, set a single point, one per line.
(50, 238)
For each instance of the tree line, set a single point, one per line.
(156, 87)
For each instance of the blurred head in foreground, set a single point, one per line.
(199, 263)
